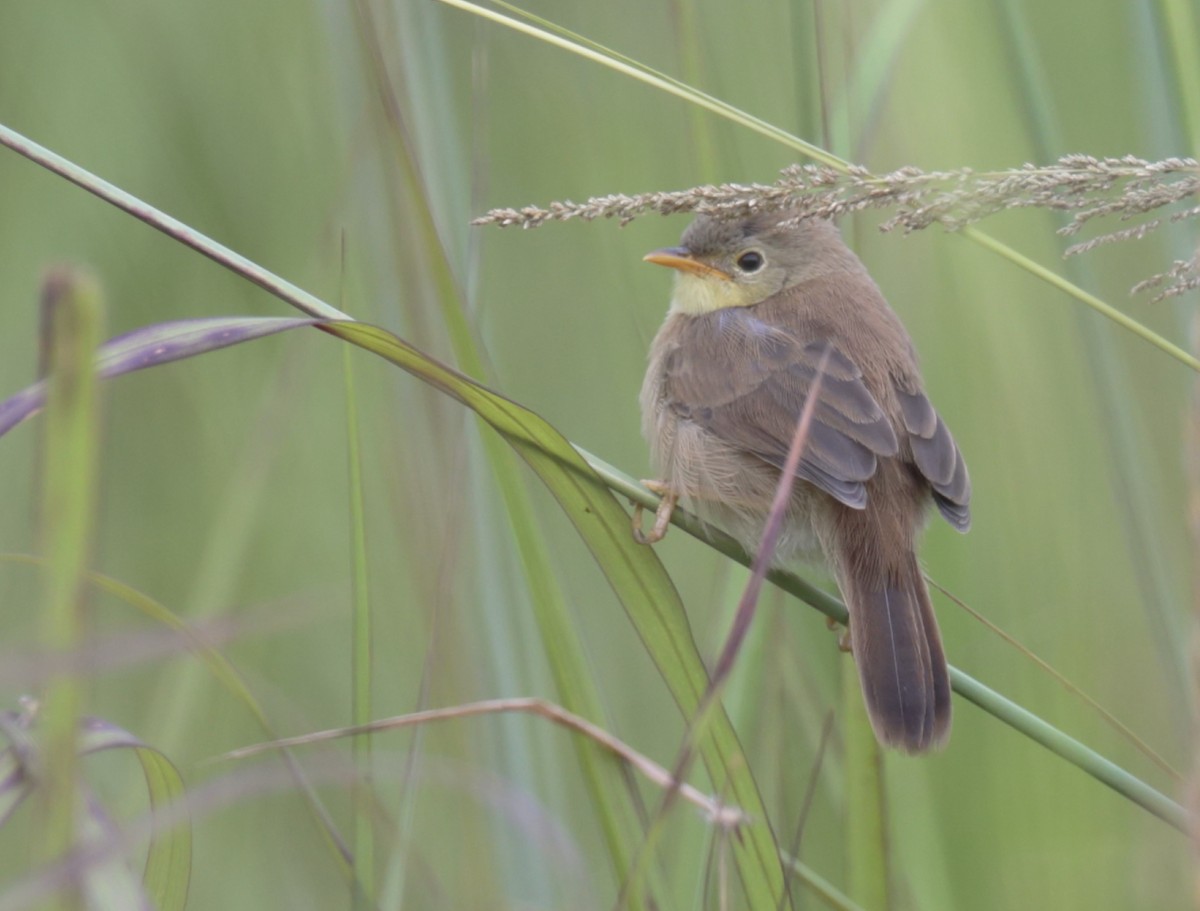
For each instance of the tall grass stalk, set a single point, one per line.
(73, 317)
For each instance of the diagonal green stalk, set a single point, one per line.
(564, 651)
(728, 111)
(1136, 495)
(1002, 708)
(172, 227)
(597, 53)
(1050, 277)
(1030, 725)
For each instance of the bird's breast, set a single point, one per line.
(723, 483)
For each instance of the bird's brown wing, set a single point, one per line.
(937, 458)
(747, 381)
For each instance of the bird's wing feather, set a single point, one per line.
(746, 381)
(937, 458)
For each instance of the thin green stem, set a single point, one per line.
(1007, 711)
(1053, 278)
(361, 665)
(674, 87)
(564, 651)
(821, 887)
(172, 227)
(628, 67)
(1063, 745)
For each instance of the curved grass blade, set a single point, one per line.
(222, 670)
(1002, 708)
(169, 858)
(666, 631)
(635, 574)
(150, 346)
(609, 788)
(663, 626)
(108, 885)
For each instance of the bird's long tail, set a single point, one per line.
(897, 647)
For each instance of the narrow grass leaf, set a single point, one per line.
(666, 633)
(866, 802)
(222, 670)
(634, 572)
(150, 346)
(722, 109)
(417, 225)
(168, 865)
(361, 665)
(169, 858)
(72, 319)
(110, 884)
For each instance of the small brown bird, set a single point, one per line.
(756, 303)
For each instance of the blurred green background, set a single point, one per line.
(346, 147)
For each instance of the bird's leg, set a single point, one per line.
(662, 515)
(842, 631)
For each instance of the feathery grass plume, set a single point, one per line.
(1184, 276)
(1089, 188)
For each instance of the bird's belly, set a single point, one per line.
(732, 488)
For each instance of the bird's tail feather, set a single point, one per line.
(898, 650)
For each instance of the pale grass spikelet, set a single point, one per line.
(1086, 187)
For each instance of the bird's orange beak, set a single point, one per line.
(681, 258)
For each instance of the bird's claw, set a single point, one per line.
(662, 515)
(842, 631)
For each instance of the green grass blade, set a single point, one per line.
(1004, 709)
(635, 574)
(361, 663)
(151, 346)
(224, 672)
(72, 313)
(696, 97)
(562, 647)
(624, 65)
(867, 861)
(169, 858)
(160, 221)
(1137, 495)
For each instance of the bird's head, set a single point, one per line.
(738, 263)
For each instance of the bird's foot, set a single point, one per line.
(662, 515)
(842, 631)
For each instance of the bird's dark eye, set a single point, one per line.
(750, 261)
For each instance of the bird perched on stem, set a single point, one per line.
(756, 302)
